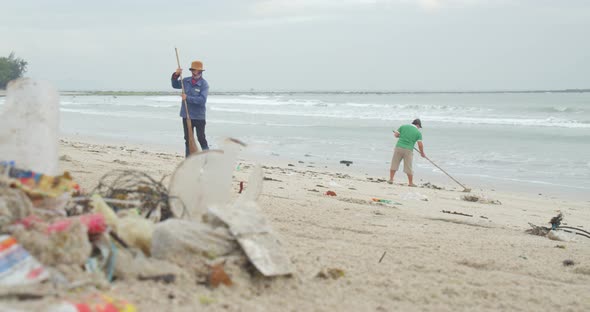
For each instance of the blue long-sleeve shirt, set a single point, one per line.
(196, 96)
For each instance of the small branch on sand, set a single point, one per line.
(457, 213)
(383, 256)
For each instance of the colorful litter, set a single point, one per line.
(17, 266)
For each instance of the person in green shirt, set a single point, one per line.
(407, 136)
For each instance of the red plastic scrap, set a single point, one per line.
(95, 223)
(330, 193)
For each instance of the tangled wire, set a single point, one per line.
(133, 185)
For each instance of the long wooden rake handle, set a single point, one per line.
(192, 145)
(465, 189)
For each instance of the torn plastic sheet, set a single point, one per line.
(203, 180)
(252, 231)
(201, 185)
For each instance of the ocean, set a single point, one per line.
(532, 142)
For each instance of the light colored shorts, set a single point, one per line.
(405, 154)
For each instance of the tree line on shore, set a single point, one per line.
(11, 68)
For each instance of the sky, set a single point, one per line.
(336, 45)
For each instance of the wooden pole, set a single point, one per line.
(192, 145)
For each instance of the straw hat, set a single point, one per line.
(197, 65)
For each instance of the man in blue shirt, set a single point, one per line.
(196, 90)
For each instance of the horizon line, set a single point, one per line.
(568, 90)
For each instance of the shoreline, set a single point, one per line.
(422, 175)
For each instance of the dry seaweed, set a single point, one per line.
(135, 185)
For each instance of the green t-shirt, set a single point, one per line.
(408, 136)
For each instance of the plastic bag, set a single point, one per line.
(175, 238)
(30, 124)
(137, 232)
(17, 266)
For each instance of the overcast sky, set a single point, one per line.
(304, 44)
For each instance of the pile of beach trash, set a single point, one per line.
(55, 236)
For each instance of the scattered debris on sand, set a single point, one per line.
(480, 199)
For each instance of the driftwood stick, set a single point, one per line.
(383, 256)
(457, 213)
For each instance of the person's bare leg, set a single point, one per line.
(391, 175)
(411, 180)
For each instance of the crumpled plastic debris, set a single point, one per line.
(252, 230)
(561, 236)
(100, 206)
(131, 228)
(14, 205)
(137, 232)
(95, 223)
(211, 172)
(17, 266)
(176, 240)
(35, 183)
(69, 246)
(480, 199)
(131, 264)
(97, 302)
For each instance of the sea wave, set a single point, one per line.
(395, 116)
(562, 109)
(118, 105)
(123, 114)
(135, 114)
(243, 100)
(279, 101)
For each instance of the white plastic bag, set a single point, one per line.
(29, 126)
(561, 236)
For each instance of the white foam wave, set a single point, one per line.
(124, 114)
(134, 114)
(560, 109)
(279, 101)
(395, 116)
(170, 98)
(246, 123)
(243, 100)
(121, 105)
(417, 107)
(263, 102)
(254, 96)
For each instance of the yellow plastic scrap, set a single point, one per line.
(100, 206)
(120, 305)
(137, 232)
(133, 229)
(44, 185)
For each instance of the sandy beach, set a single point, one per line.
(406, 255)
(303, 108)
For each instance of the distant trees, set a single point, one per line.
(11, 68)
